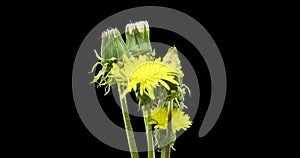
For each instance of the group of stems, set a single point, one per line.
(166, 150)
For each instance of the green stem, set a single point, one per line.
(163, 152)
(169, 131)
(127, 123)
(148, 127)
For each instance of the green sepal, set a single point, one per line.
(160, 137)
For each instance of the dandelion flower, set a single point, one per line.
(145, 73)
(180, 120)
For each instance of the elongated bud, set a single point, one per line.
(172, 56)
(113, 46)
(180, 91)
(138, 38)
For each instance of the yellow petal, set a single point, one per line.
(180, 120)
(164, 84)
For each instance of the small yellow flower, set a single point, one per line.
(146, 73)
(180, 120)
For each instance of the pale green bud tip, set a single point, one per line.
(110, 33)
(140, 26)
(172, 56)
(113, 46)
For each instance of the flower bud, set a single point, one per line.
(138, 38)
(113, 46)
(172, 56)
(178, 92)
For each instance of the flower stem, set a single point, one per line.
(163, 152)
(148, 127)
(127, 123)
(169, 131)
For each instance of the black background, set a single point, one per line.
(239, 30)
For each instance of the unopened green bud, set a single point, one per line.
(138, 38)
(113, 46)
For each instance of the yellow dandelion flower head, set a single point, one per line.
(147, 73)
(180, 120)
